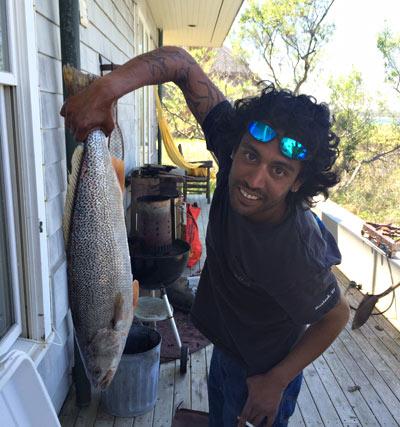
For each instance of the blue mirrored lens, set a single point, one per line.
(293, 149)
(261, 131)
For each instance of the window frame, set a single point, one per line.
(34, 281)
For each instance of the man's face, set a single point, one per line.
(260, 179)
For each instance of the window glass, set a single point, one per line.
(6, 315)
(4, 60)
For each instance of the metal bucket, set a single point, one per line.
(133, 391)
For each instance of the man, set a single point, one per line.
(267, 274)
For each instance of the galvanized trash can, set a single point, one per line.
(133, 391)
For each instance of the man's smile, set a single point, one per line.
(248, 195)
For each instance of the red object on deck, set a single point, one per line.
(192, 234)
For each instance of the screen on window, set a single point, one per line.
(4, 62)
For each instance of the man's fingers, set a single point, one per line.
(270, 420)
(261, 421)
(109, 126)
(246, 411)
(81, 135)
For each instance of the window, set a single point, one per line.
(23, 251)
(145, 106)
(10, 319)
(6, 313)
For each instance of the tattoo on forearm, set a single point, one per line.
(201, 94)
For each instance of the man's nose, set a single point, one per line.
(257, 178)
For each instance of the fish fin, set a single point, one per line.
(116, 139)
(119, 168)
(73, 178)
(135, 286)
(118, 319)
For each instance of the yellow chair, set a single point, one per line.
(197, 180)
(197, 174)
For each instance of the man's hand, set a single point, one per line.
(265, 391)
(88, 110)
(264, 396)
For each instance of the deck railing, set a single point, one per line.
(362, 261)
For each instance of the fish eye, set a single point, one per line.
(97, 370)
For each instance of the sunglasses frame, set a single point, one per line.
(300, 154)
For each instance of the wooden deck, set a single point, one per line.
(356, 382)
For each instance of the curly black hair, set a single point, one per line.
(299, 117)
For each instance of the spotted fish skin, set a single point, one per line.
(99, 268)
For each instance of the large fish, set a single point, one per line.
(101, 293)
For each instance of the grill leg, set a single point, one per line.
(171, 317)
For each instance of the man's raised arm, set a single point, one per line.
(92, 108)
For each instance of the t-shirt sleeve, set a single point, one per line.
(308, 300)
(213, 128)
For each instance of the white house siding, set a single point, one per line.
(111, 33)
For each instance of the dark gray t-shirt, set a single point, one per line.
(261, 284)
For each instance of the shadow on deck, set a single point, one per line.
(355, 382)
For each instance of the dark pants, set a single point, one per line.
(227, 393)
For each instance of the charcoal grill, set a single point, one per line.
(158, 260)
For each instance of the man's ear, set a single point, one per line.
(296, 185)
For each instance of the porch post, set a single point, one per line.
(159, 141)
(70, 54)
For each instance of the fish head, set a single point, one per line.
(103, 356)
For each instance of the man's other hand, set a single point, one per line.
(264, 396)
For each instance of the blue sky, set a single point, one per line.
(353, 44)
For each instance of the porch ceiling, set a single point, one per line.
(212, 20)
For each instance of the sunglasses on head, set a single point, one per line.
(289, 147)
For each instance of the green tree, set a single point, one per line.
(374, 192)
(230, 73)
(389, 45)
(288, 35)
(368, 161)
(353, 123)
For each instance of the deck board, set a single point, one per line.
(368, 358)
(198, 371)
(145, 420)
(87, 415)
(324, 405)
(163, 410)
(356, 400)
(182, 390)
(103, 419)
(308, 408)
(336, 395)
(359, 379)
